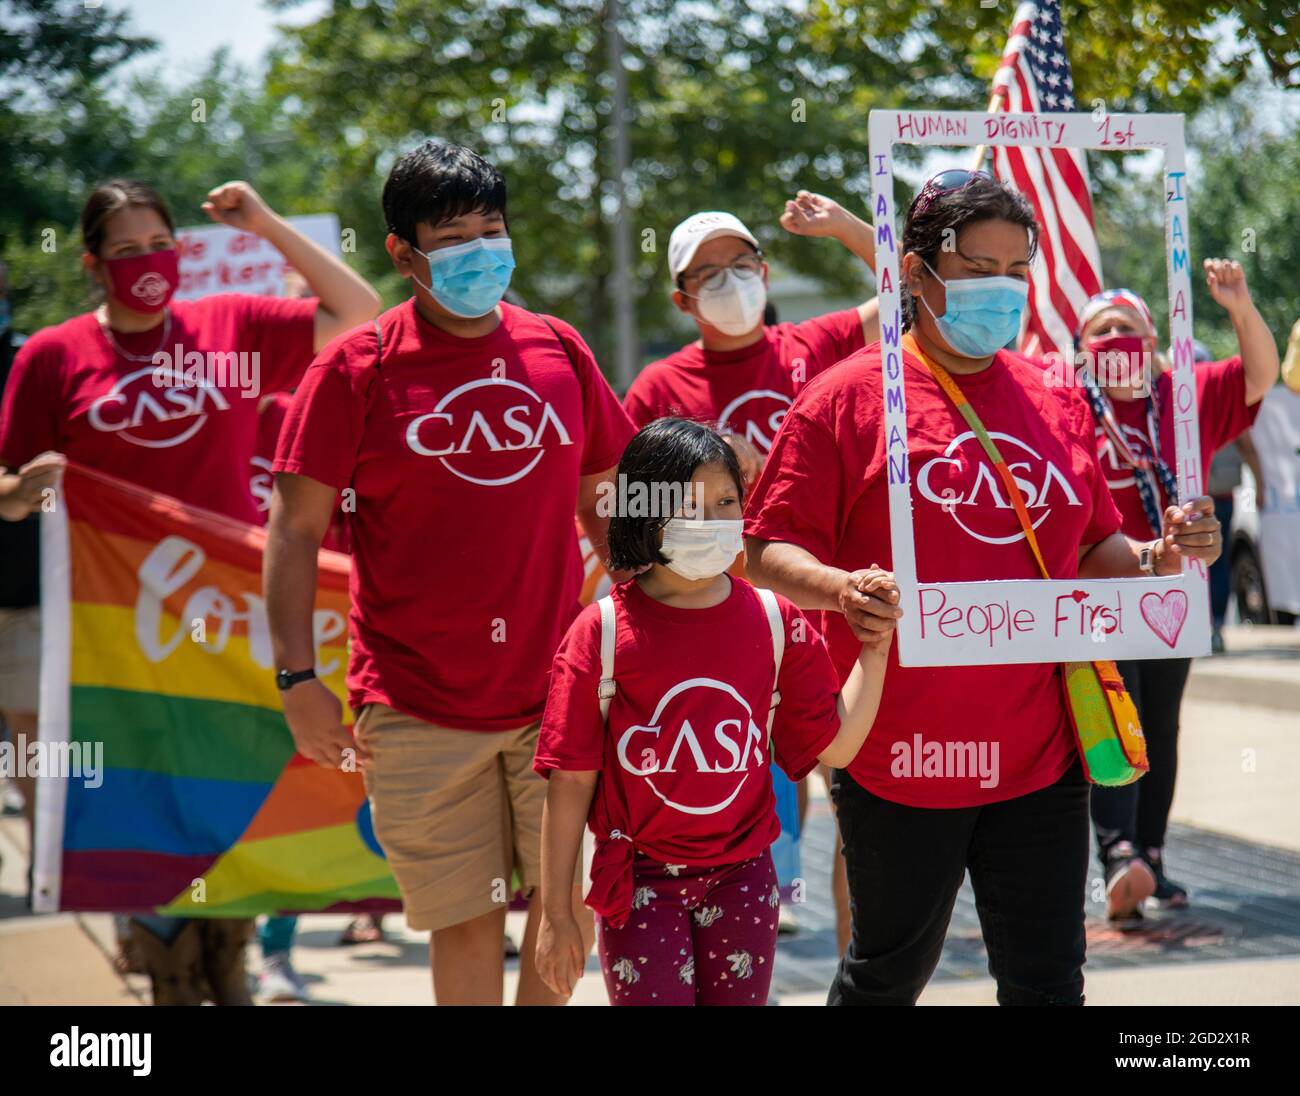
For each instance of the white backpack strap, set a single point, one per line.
(608, 632)
(777, 627)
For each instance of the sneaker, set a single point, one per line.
(1129, 882)
(787, 924)
(279, 981)
(1169, 894)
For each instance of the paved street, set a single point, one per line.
(1235, 843)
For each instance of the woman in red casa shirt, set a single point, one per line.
(667, 702)
(94, 389)
(109, 388)
(1135, 427)
(1007, 799)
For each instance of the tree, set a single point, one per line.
(733, 107)
(1141, 55)
(1243, 189)
(53, 56)
(183, 140)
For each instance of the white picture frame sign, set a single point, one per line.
(1035, 621)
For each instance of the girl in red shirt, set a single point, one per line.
(668, 701)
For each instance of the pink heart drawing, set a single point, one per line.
(1165, 615)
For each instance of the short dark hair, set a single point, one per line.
(667, 452)
(982, 199)
(439, 182)
(111, 197)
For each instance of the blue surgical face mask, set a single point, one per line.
(470, 279)
(982, 314)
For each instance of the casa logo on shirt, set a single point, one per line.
(141, 412)
(698, 749)
(1118, 472)
(151, 288)
(965, 485)
(756, 415)
(491, 431)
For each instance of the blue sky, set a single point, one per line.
(188, 31)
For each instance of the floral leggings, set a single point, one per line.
(696, 936)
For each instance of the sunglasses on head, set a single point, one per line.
(957, 178)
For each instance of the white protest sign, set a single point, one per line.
(220, 259)
(1020, 621)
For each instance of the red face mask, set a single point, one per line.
(145, 283)
(1112, 344)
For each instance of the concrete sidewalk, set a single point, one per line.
(1239, 776)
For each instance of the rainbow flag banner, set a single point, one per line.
(168, 779)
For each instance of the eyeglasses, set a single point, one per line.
(744, 267)
(957, 178)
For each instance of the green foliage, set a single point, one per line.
(1138, 55)
(733, 104)
(1243, 190)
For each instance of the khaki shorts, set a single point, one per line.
(455, 813)
(20, 659)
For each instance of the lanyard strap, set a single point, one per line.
(962, 404)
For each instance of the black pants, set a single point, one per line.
(1139, 812)
(1028, 863)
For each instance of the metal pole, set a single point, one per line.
(625, 360)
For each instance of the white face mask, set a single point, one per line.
(736, 307)
(702, 549)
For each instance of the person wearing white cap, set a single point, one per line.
(742, 374)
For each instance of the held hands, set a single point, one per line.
(238, 205)
(1227, 283)
(869, 601)
(1191, 531)
(808, 214)
(561, 955)
(315, 718)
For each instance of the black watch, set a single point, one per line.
(287, 679)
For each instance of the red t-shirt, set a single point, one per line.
(465, 457)
(824, 488)
(1222, 414)
(684, 760)
(70, 391)
(261, 480)
(748, 389)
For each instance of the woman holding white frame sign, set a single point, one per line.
(969, 767)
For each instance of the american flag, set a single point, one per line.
(1035, 77)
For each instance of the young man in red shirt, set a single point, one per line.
(470, 431)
